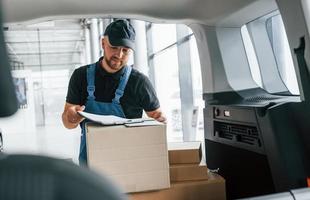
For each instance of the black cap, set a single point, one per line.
(121, 33)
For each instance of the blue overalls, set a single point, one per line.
(95, 107)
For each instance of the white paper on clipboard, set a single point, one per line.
(113, 120)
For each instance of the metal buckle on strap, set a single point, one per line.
(91, 92)
(119, 92)
(90, 88)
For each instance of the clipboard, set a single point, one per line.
(109, 120)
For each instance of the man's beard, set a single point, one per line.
(118, 64)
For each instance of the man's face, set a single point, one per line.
(115, 57)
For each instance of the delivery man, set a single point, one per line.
(110, 86)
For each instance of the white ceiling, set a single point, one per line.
(48, 46)
(180, 11)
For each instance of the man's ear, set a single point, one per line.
(103, 42)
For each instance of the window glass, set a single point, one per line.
(253, 63)
(281, 49)
(168, 91)
(269, 56)
(163, 35)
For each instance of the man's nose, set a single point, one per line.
(119, 53)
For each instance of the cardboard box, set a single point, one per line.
(136, 158)
(211, 189)
(188, 172)
(184, 152)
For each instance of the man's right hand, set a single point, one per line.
(70, 116)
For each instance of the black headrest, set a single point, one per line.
(31, 177)
(8, 101)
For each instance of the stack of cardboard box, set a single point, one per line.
(186, 163)
(134, 157)
(189, 177)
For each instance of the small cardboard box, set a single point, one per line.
(184, 152)
(188, 172)
(211, 189)
(135, 158)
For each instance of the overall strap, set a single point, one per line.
(122, 84)
(91, 81)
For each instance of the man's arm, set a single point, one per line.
(157, 114)
(70, 117)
